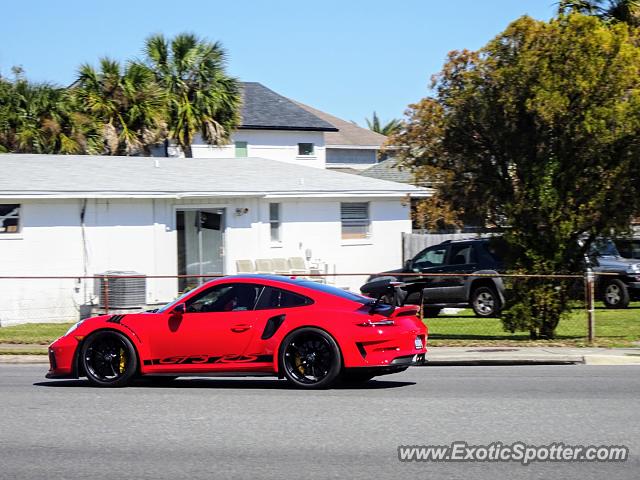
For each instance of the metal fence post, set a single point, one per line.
(106, 294)
(589, 293)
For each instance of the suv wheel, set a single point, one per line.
(485, 302)
(615, 294)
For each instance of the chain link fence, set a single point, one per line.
(51, 299)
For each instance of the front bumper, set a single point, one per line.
(62, 355)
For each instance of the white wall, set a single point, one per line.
(279, 145)
(139, 235)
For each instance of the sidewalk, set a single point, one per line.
(454, 355)
(531, 356)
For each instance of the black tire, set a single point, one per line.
(615, 294)
(354, 377)
(310, 358)
(485, 302)
(108, 359)
(430, 312)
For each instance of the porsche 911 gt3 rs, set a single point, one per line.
(309, 333)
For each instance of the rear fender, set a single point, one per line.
(496, 282)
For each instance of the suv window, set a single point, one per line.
(462, 254)
(277, 298)
(431, 257)
(229, 297)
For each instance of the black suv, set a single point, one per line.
(486, 295)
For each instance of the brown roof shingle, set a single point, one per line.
(348, 134)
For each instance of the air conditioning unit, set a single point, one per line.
(122, 292)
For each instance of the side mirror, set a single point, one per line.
(179, 309)
(408, 264)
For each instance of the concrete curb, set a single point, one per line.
(32, 359)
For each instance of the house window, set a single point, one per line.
(274, 221)
(241, 149)
(305, 149)
(355, 220)
(9, 218)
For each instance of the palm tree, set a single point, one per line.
(39, 118)
(126, 104)
(201, 97)
(389, 128)
(626, 11)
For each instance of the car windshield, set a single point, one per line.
(178, 300)
(604, 248)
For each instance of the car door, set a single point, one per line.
(430, 261)
(463, 258)
(212, 333)
(272, 310)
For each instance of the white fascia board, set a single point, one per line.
(171, 195)
(355, 147)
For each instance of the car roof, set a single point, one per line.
(304, 283)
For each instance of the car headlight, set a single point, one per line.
(73, 327)
(634, 268)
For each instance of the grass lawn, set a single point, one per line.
(615, 328)
(33, 333)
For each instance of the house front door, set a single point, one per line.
(200, 245)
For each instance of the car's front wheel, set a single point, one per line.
(485, 302)
(310, 358)
(615, 294)
(108, 359)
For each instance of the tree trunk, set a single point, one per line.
(188, 153)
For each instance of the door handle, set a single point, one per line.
(240, 328)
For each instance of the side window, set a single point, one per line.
(9, 218)
(278, 298)
(462, 254)
(431, 257)
(230, 297)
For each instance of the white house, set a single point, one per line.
(277, 128)
(85, 215)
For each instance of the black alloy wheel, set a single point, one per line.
(109, 359)
(310, 358)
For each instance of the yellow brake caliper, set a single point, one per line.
(123, 361)
(298, 362)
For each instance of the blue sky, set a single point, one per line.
(346, 57)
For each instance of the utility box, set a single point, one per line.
(121, 291)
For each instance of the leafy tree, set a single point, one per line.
(538, 132)
(391, 127)
(627, 11)
(201, 97)
(127, 106)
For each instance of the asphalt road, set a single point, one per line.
(260, 428)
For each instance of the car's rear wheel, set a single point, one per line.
(310, 358)
(109, 359)
(615, 294)
(485, 302)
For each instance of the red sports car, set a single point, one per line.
(309, 333)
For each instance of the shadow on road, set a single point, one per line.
(226, 383)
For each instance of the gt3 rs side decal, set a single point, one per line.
(208, 359)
